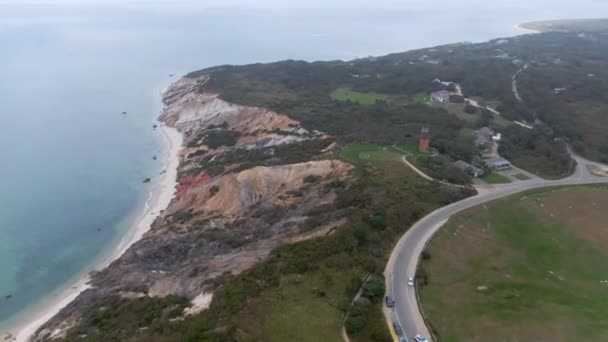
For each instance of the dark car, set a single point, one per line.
(397, 328)
(390, 302)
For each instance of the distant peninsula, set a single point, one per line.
(567, 25)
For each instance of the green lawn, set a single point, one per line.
(410, 148)
(345, 94)
(303, 308)
(533, 264)
(495, 178)
(369, 153)
(420, 98)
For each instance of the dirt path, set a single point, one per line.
(475, 103)
(417, 170)
(514, 83)
(357, 296)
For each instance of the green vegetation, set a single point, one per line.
(216, 139)
(554, 60)
(529, 265)
(120, 318)
(521, 176)
(442, 168)
(495, 178)
(344, 94)
(366, 314)
(301, 90)
(301, 307)
(369, 153)
(438, 167)
(419, 98)
(312, 281)
(469, 109)
(536, 151)
(248, 158)
(411, 149)
(311, 179)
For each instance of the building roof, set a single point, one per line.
(496, 161)
(441, 95)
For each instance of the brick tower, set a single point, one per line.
(424, 139)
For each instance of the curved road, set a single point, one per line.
(405, 256)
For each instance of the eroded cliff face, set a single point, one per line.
(224, 218)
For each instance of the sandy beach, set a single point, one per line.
(161, 194)
(525, 30)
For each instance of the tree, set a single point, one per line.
(377, 221)
(373, 289)
(468, 108)
(361, 234)
(456, 99)
(486, 118)
(354, 324)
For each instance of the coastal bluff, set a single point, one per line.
(248, 179)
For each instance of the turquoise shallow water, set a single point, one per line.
(71, 164)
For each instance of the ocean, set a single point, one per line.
(72, 165)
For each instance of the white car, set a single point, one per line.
(410, 281)
(420, 338)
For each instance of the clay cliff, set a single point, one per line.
(247, 182)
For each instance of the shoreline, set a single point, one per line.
(522, 28)
(160, 197)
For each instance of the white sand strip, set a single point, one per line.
(160, 196)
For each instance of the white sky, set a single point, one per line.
(293, 3)
(552, 9)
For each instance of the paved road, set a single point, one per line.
(405, 256)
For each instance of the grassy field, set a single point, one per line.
(419, 98)
(409, 148)
(303, 308)
(457, 109)
(529, 267)
(344, 94)
(495, 178)
(369, 153)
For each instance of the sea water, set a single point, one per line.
(72, 164)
